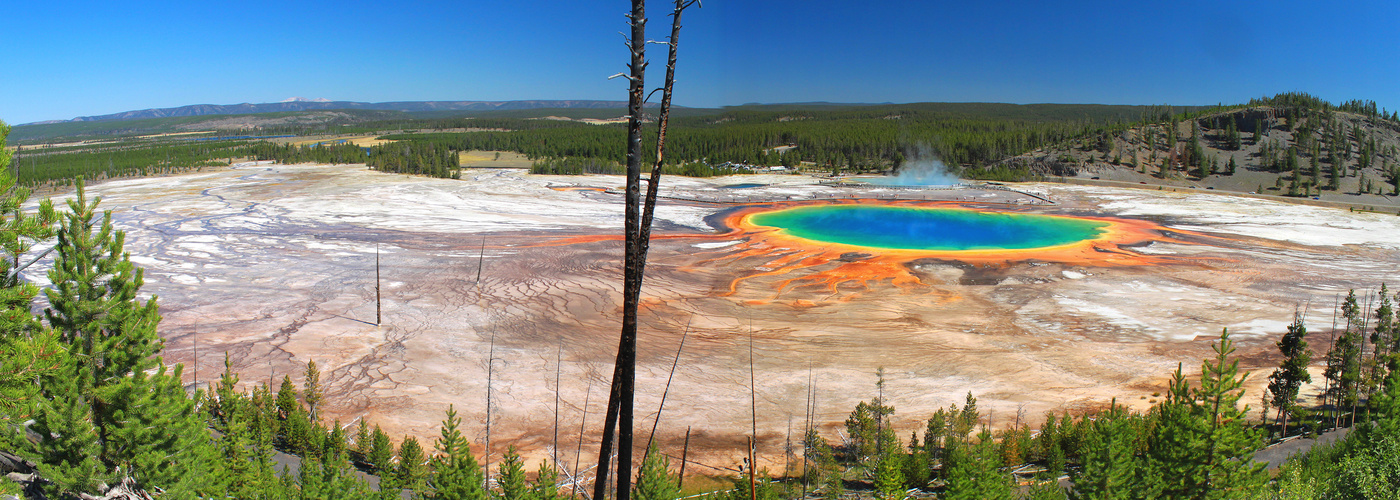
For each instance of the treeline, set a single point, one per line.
(1195, 443)
(395, 157)
(572, 165)
(831, 143)
(1303, 100)
(416, 158)
(43, 168)
(291, 153)
(971, 137)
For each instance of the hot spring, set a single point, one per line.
(933, 229)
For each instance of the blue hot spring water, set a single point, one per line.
(917, 228)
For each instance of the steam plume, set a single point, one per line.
(923, 168)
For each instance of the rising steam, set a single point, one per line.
(923, 168)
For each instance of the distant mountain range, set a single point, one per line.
(303, 104)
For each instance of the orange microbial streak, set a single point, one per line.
(840, 267)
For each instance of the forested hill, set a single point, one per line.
(1293, 145)
(442, 115)
(305, 105)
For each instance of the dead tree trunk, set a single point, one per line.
(558, 366)
(486, 452)
(651, 438)
(637, 233)
(578, 454)
(685, 452)
(377, 307)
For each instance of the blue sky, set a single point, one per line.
(67, 59)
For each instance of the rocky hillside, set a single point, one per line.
(1318, 152)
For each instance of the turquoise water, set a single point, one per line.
(927, 228)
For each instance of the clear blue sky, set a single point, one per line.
(67, 59)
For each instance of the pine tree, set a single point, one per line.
(889, 471)
(511, 477)
(226, 411)
(1293, 373)
(411, 472)
(1344, 362)
(1174, 447)
(262, 421)
(1227, 469)
(381, 453)
(311, 390)
(1049, 446)
(334, 443)
(1048, 490)
(287, 398)
(1232, 134)
(546, 484)
(302, 436)
(934, 430)
(863, 429)
(1386, 404)
(115, 401)
(1334, 174)
(69, 447)
(455, 472)
(822, 468)
(917, 468)
(1382, 336)
(328, 478)
(974, 472)
(1314, 169)
(363, 439)
(654, 482)
(1109, 465)
(29, 349)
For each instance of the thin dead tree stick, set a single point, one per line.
(14, 275)
(1331, 344)
(807, 429)
(377, 297)
(685, 450)
(753, 420)
(558, 365)
(578, 455)
(753, 468)
(663, 122)
(480, 260)
(194, 366)
(490, 368)
(787, 449)
(662, 407)
(1361, 355)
